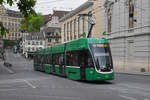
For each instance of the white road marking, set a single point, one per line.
(47, 96)
(10, 81)
(146, 99)
(127, 97)
(8, 89)
(31, 85)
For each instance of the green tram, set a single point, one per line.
(83, 59)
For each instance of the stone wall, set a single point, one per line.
(130, 47)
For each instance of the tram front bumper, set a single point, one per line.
(104, 76)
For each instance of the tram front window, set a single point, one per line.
(102, 56)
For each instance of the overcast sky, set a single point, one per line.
(46, 6)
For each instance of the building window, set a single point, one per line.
(56, 34)
(33, 43)
(79, 28)
(83, 24)
(49, 40)
(56, 39)
(28, 48)
(71, 30)
(67, 31)
(33, 49)
(64, 32)
(37, 43)
(109, 15)
(86, 24)
(36, 49)
(49, 33)
(131, 14)
(12, 34)
(75, 29)
(28, 42)
(41, 43)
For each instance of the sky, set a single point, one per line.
(47, 6)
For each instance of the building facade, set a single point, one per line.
(11, 20)
(52, 27)
(53, 36)
(78, 22)
(73, 25)
(127, 24)
(32, 42)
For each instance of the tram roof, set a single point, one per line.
(78, 44)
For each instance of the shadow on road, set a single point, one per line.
(98, 82)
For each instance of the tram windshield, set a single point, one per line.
(102, 56)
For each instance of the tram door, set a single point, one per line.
(61, 63)
(53, 64)
(82, 61)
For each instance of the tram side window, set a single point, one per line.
(68, 59)
(61, 59)
(82, 60)
(44, 59)
(35, 59)
(72, 59)
(90, 61)
(41, 59)
(55, 59)
(85, 59)
(47, 59)
(79, 58)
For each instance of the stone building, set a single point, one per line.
(32, 42)
(52, 27)
(53, 36)
(127, 24)
(73, 25)
(11, 20)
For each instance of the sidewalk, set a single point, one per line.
(4, 69)
(133, 73)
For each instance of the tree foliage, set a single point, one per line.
(32, 23)
(25, 7)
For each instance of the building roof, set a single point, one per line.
(51, 29)
(35, 36)
(13, 13)
(47, 18)
(77, 10)
(48, 31)
(60, 13)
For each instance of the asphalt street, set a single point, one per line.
(27, 84)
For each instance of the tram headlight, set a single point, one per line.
(103, 66)
(91, 72)
(106, 76)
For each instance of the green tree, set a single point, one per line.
(32, 23)
(25, 7)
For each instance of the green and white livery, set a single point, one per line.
(83, 59)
